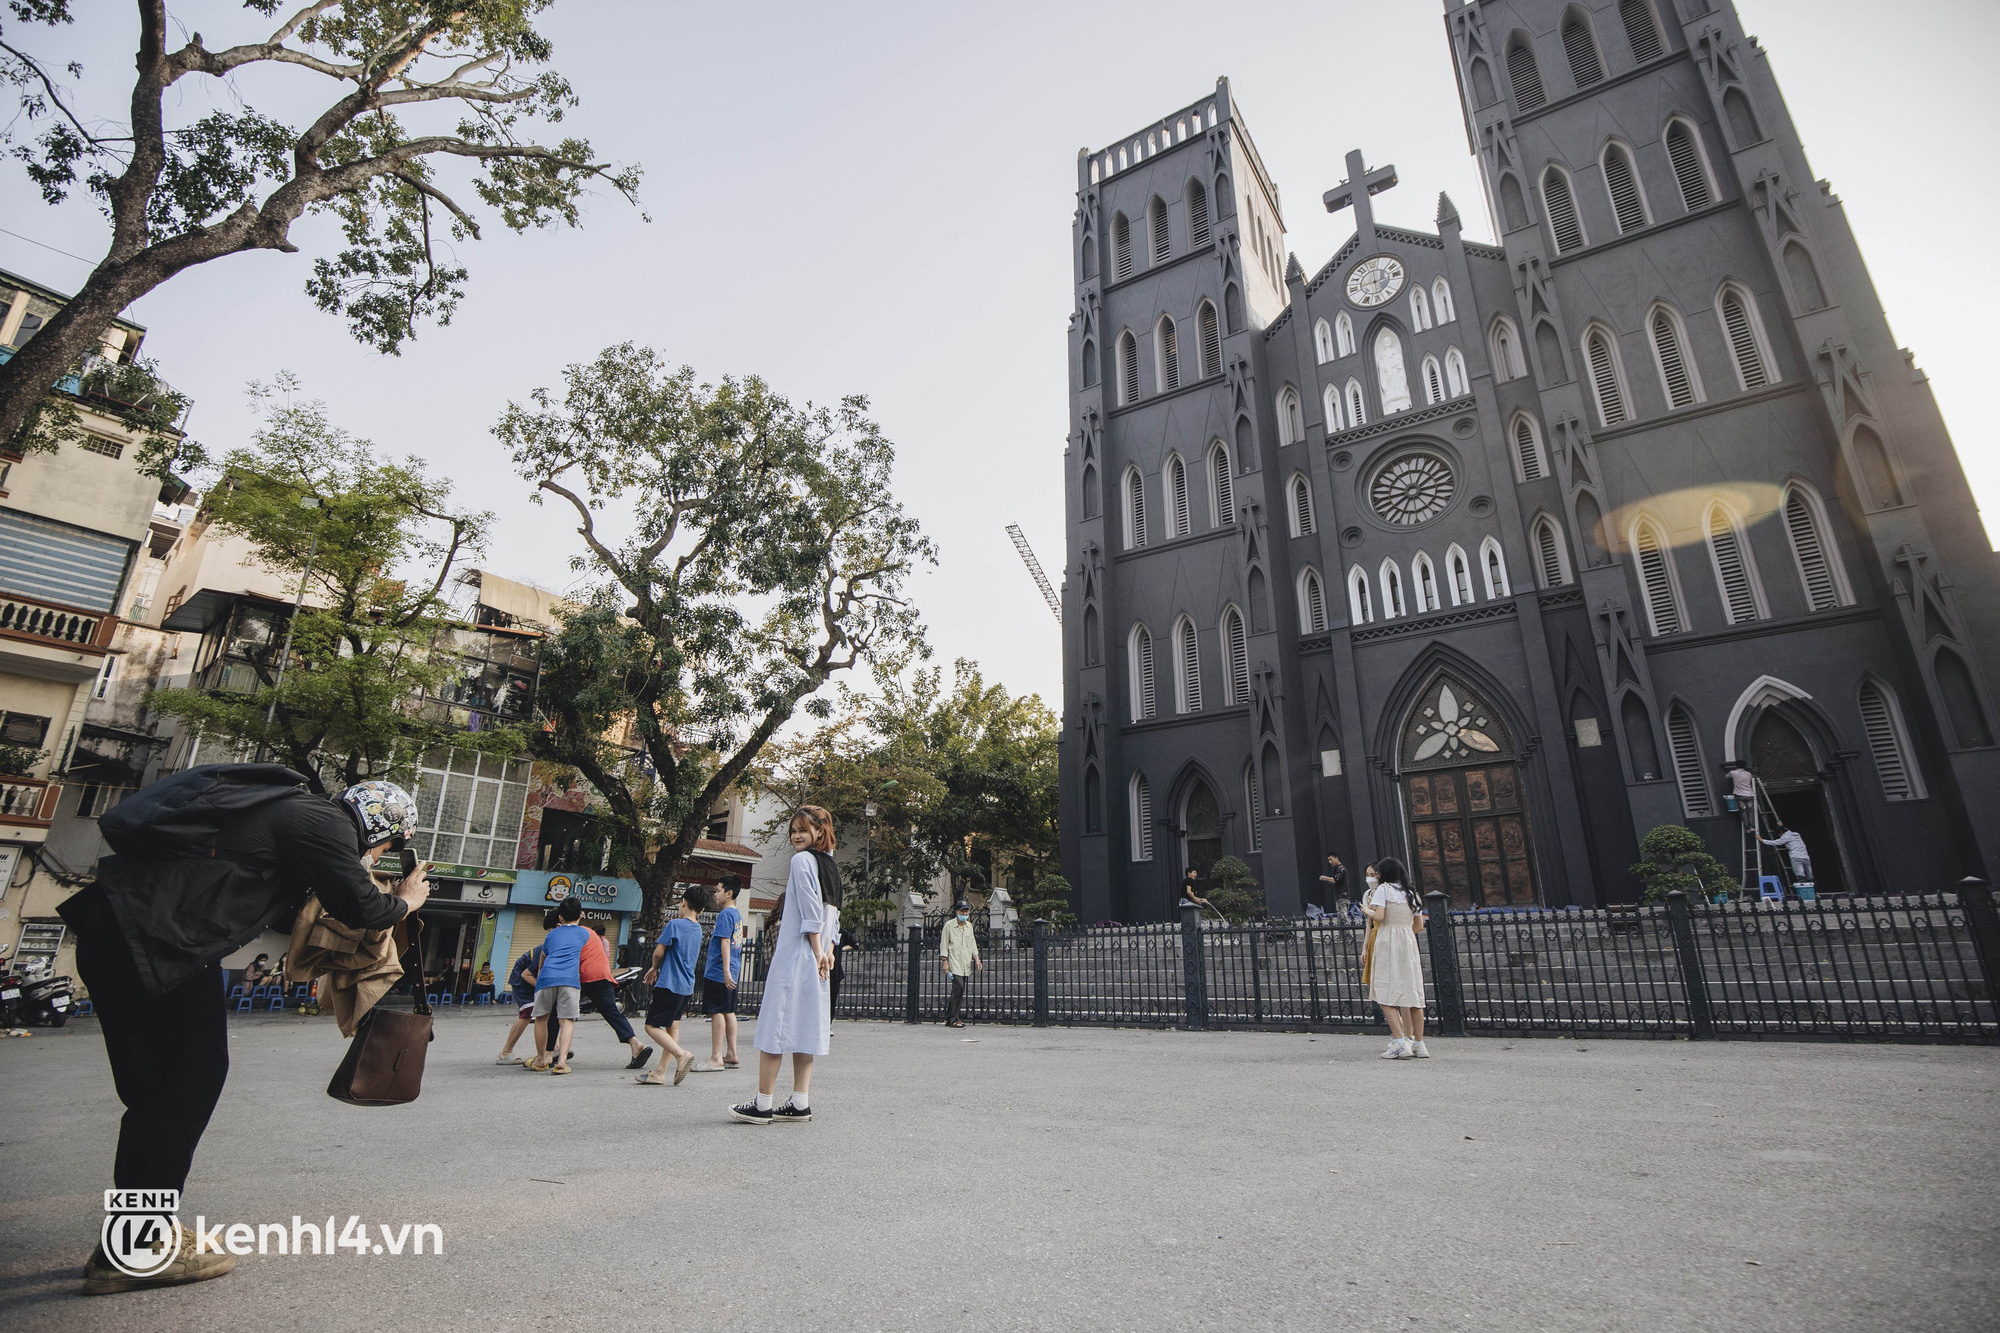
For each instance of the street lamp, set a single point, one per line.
(868, 847)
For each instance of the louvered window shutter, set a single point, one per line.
(1225, 488)
(1128, 369)
(1562, 211)
(1197, 215)
(1624, 187)
(1658, 583)
(1673, 363)
(1136, 498)
(1159, 221)
(1730, 570)
(1315, 604)
(1581, 48)
(1688, 772)
(1121, 245)
(1170, 355)
(1142, 814)
(1146, 704)
(1302, 505)
(1743, 341)
(1177, 483)
(1549, 552)
(1190, 659)
(1807, 544)
(1357, 410)
(1524, 447)
(1604, 378)
(1239, 660)
(1640, 30)
(1686, 159)
(1525, 77)
(1256, 809)
(1433, 383)
(1211, 342)
(1884, 743)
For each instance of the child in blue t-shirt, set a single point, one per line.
(521, 981)
(720, 977)
(672, 980)
(559, 980)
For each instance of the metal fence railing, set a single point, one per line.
(1921, 967)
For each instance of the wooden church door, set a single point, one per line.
(1468, 820)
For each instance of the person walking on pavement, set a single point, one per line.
(521, 981)
(1395, 970)
(796, 1015)
(958, 956)
(598, 987)
(204, 862)
(672, 978)
(559, 984)
(719, 977)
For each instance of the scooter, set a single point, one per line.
(11, 982)
(46, 1000)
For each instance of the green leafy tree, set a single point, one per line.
(132, 395)
(191, 173)
(1235, 891)
(1676, 858)
(373, 542)
(1049, 900)
(765, 553)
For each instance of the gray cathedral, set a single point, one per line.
(1492, 558)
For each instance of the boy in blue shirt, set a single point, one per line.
(522, 982)
(672, 980)
(559, 979)
(719, 978)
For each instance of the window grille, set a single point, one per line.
(1157, 221)
(1239, 656)
(1315, 608)
(1142, 818)
(1885, 742)
(1673, 361)
(1527, 449)
(1626, 202)
(1143, 705)
(1563, 221)
(1656, 581)
(1128, 369)
(1197, 206)
(1688, 772)
(1225, 487)
(1525, 77)
(1121, 246)
(1685, 156)
(1743, 340)
(1604, 378)
(1187, 656)
(1211, 341)
(1170, 356)
(1548, 552)
(1641, 32)
(1177, 495)
(1581, 48)
(1302, 507)
(1732, 573)
(1809, 547)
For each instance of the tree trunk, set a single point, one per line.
(32, 372)
(656, 882)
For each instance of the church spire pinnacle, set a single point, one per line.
(1447, 214)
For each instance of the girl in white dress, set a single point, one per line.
(1396, 972)
(795, 1016)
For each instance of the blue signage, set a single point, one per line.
(601, 893)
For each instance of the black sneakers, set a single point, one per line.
(750, 1115)
(789, 1114)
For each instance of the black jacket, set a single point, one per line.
(179, 915)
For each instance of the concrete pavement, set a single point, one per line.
(1004, 1178)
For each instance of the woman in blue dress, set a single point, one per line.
(796, 1013)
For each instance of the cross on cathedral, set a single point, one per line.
(1350, 194)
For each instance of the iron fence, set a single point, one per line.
(1921, 967)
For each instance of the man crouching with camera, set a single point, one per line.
(204, 862)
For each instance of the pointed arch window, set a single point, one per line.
(1819, 566)
(1291, 421)
(1744, 327)
(1093, 650)
(1871, 464)
(1527, 448)
(1323, 342)
(1420, 310)
(1156, 230)
(1509, 362)
(1580, 45)
(1524, 75)
(1391, 575)
(1423, 583)
(1657, 583)
(1128, 368)
(1679, 379)
(1551, 555)
(1742, 120)
(1690, 774)
(1889, 742)
(1135, 510)
(1621, 181)
(1458, 572)
(1093, 801)
(1167, 347)
(1256, 805)
(1357, 408)
(1560, 203)
(1689, 164)
(1806, 288)
(1962, 707)
(1441, 303)
(1302, 506)
(1121, 246)
(1236, 656)
(1494, 565)
(1179, 523)
(1197, 211)
(1390, 376)
(1089, 363)
(1360, 603)
(1513, 203)
(1187, 667)
(1456, 382)
(1607, 376)
(1343, 334)
(1642, 30)
(1433, 381)
(1329, 401)
(1090, 490)
(1312, 602)
(1139, 665)
(1211, 340)
(1221, 485)
(1140, 811)
(1735, 573)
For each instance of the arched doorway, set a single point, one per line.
(1201, 829)
(1782, 757)
(1462, 796)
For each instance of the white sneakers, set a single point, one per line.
(1417, 1051)
(1402, 1048)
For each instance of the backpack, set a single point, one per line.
(182, 815)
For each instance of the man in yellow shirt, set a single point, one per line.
(958, 957)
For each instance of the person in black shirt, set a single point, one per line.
(149, 947)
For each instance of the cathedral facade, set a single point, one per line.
(1492, 557)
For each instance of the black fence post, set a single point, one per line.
(914, 980)
(1693, 980)
(1975, 896)
(1194, 970)
(1444, 965)
(1312, 970)
(1041, 974)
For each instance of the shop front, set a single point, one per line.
(461, 919)
(608, 901)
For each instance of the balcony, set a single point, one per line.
(52, 623)
(28, 802)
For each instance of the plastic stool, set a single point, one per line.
(242, 1001)
(277, 1005)
(1770, 888)
(82, 1007)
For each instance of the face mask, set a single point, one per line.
(964, 916)
(1373, 881)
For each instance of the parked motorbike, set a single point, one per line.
(46, 1000)
(11, 982)
(633, 992)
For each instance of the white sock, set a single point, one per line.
(799, 1100)
(763, 1101)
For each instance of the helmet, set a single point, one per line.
(384, 811)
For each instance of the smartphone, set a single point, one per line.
(409, 862)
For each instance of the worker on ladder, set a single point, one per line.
(1800, 862)
(1742, 802)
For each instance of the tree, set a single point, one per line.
(373, 542)
(1676, 858)
(765, 554)
(1236, 893)
(1051, 902)
(182, 189)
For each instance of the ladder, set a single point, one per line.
(1753, 844)
(1035, 568)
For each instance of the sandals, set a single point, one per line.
(558, 1069)
(639, 1060)
(732, 1064)
(681, 1067)
(651, 1082)
(510, 1060)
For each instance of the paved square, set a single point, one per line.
(1011, 1178)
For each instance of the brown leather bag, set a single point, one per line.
(385, 1061)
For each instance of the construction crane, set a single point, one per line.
(1035, 568)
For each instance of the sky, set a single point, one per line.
(876, 198)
